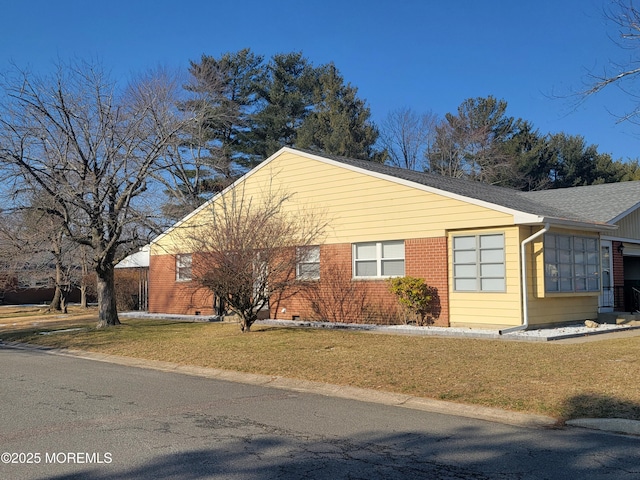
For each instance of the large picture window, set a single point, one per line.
(378, 259)
(478, 263)
(571, 264)
(183, 267)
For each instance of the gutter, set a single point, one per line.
(525, 301)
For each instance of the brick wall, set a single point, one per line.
(168, 296)
(338, 297)
(427, 258)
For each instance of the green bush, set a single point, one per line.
(414, 297)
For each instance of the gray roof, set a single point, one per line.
(595, 204)
(601, 203)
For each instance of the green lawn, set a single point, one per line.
(595, 379)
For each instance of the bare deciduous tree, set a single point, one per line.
(92, 149)
(246, 248)
(336, 297)
(626, 17)
(408, 136)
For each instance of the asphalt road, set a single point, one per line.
(72, 418)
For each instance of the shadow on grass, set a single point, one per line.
(595, 405)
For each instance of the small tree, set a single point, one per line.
(414, 297)
(245, 251)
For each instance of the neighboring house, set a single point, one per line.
(496, 258)
(132, 280)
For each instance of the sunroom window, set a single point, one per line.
(571, 263)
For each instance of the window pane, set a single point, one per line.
(564, 256)
(492, 284)
(309, 254)
(552, 284)
(492, 256)
(366, 269)
(565, 271)
(551, 256)
(593, 284)
(563, 242)
(550, 240)
(393, 267)
(468, 271)
(393, 249)
(566, 285)
(309, 270)
(464, 243)
(492, 270)
(491, 241)
(466, 284)
(365, 251)
(464, 257)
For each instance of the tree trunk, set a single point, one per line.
(56, 301)
(107, 311)
(83, 296)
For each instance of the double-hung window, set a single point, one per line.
(378, 259)
(183, 267)
(571, 264)
(308, 263)
(478, 263)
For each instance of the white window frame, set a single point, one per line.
(184, 263)
(479, 266)
(378, 257)
(308, 263)
(571, 264)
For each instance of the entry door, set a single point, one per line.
(605, 303)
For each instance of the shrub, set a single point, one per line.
(414, 297)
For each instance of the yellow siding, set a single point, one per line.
(359, 207)
(629, 226)
(484, 309)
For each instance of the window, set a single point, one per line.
(183, 267)
(378, 259)
(478, 263)
(308, 263)
(571, 264)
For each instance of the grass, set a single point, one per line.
(596, 379)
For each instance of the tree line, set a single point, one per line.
(481, 142)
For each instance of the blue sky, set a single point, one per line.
(428, 55)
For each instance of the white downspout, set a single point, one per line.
(525, 300)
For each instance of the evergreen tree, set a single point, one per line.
(285, 95)
(339, 123)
